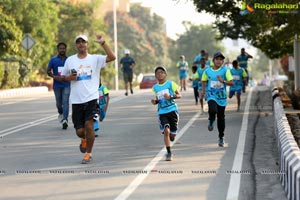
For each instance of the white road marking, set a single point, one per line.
(26, 125)
(20, 127)
(140, 178)
(235, 178)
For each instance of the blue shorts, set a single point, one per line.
(232, 92)
(102, 114)
(182, 75)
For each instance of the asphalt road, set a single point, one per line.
(40, 161)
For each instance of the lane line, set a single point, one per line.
(20, 127)
(235, 178)
(141, 177)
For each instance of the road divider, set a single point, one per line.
(289, 153)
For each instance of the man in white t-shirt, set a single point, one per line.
(83, 70)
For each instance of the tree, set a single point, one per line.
(193, 40)
(272, 33)
(144, 35)
(10, 35)
(39, 19)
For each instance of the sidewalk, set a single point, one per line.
(22, 91)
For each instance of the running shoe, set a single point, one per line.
(221, 142)
(211, 126)
(86, 159)
(82, 146)
(126, 93)
(169, 156)
(131, 91)
(64, 124)
(172, 138)
(60, 118)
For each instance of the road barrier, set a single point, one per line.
(23, 91)
(289, 153)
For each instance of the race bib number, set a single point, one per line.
(84, 73)
(101, 94)
(59, 70)
(236, 78)
(216, 85)
(160, 94)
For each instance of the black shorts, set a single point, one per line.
(169, 119)
(127, 77)
(83, 112)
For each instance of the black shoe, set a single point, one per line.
(172, 138)
(169, 156)
(126, 93)
(64, 124)
(131, 91)
(221, 142)
(210, 126)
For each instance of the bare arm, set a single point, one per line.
(110, 54)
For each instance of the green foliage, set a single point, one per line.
(39, 19)
(10, 35)
(272, 33)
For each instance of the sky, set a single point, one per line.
(175, 12)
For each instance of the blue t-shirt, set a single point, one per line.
(103, 92)
(197, 60)
(243, 61)
(200, 72)
(238, 75)
(165, 105)
(127, 62)
(56, 63)
(216, 90)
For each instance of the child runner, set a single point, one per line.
(166, 92)
(103, 102)
(183, 67)
(216, 78)
(239, 76)
(200, 71)
(195, 79)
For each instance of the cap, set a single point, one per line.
(160, 67)
(127, 51)
(84, 37)
(219, 54)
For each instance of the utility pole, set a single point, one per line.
(116, 46)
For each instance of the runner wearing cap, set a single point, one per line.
(83, 70)
(214, 82)
(166, 92)
(127, 64)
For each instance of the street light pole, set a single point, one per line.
(116, 45)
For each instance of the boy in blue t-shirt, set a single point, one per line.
(166, 92)
(216, 78)
(103, 102)
(239, 76)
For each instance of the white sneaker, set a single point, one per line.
(60, 118)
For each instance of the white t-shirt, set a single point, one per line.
(85, 88)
